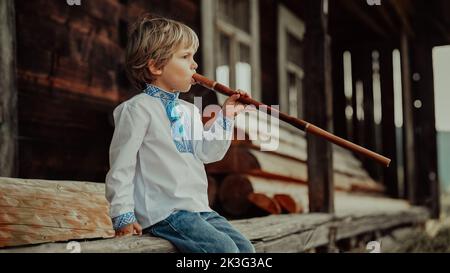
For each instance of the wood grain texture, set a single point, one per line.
(38, 211)
(275, 233)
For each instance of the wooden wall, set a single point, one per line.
(8, 91)
(70, 78)
(70, 71)
(268, 10)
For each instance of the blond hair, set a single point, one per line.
(154, 39)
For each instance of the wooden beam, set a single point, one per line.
(339, 99)
(364, 126)
(384, 13)
(390, 179)
(357, 78)
(318, 106)
(275, 233)
(427, 187)
(368, 106)
(443, 30)
(422, 88)
(355, 8)
(402, 8)
(408, 122)
(8, 90)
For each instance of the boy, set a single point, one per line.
(157, 181)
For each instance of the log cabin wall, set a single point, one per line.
(70, 78)
(8, 91)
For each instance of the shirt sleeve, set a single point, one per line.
(212, 143)
(131, 124)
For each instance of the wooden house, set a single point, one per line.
(61, 75)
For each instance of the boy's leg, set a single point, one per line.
(189, 232)
(222, 224)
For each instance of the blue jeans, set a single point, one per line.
(201, 232)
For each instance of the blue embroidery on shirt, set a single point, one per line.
(123, 220)
(175, 115)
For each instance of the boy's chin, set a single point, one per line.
(185, 90)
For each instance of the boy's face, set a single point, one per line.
(176, 75)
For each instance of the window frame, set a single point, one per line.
(212, 26)
(288, 24)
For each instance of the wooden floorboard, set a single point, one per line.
(276, 233)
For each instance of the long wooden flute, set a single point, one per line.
(298, 123)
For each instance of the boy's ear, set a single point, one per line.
(153, 69)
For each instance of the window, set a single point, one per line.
(231, 44)
(290, 68)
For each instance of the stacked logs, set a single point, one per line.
(237, 197)
(249, 182)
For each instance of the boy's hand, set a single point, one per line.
(129, 230)
(232, 107)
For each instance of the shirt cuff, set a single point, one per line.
(123, 220)
(225, 122)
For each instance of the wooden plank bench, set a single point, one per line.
(43, 216)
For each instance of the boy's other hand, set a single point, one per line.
(232, 107)
(129, 230)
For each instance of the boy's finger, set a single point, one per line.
(138, 230)
(243, 93)
(235, 97)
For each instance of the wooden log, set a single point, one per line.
(287, 203)
(237, 160)
(275, 233)
(292, 143)
(233, 193)
(245, 195)
(271, 187)
(245, 159)
(288, 161)
(265, 203)
(39, 211)
(367, 187)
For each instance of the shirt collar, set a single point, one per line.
(155, 91)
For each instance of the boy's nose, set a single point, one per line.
(194, 65)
